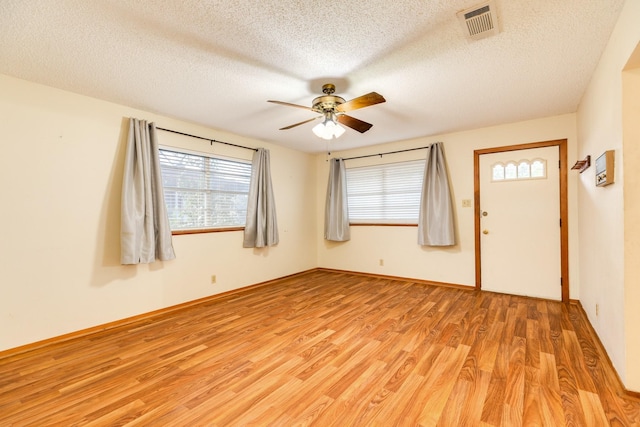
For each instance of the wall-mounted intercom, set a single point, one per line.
(605, 172)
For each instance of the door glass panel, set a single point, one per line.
(523, 170)
(520, 170)
(538, 169)
(497, 172)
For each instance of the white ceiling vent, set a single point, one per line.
(479, 21)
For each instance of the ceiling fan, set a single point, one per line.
(333, 108)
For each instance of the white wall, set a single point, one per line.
(398, 245)
(602, 215)
(61, 168)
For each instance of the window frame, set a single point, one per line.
(181, 150)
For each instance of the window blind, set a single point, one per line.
(203, 191)
(388, 193)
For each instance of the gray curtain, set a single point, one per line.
(261, 228)
(145, 234)
(336, 213)
(435, 226)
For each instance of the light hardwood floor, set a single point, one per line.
(328, 349)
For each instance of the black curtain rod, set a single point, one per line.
(390, 152)
(207, 139)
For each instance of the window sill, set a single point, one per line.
(206, 230)
(381, 224)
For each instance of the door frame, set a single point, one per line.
(564, 211)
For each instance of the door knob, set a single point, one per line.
(485, 213)
(485, 231)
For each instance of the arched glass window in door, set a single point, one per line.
(511, 171)
(524, 170)
(519, 170)
(497, 172)
(538, 168)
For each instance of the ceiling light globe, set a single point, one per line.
(328, 130)
(318, 130)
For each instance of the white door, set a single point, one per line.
(520, 222)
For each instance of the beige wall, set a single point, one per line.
(607, 281)
(631, 148)
(398, 245)
(61, 168)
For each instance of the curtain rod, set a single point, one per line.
(390, 152)
(207, 139)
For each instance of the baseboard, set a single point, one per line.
(621, 388)
(128, 320)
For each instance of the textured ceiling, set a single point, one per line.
(216, 62)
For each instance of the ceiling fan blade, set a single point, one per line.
(354, 123)
(298, 124)
(291, 105)
(361, 102)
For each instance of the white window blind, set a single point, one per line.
(204, 192)
(387, 194)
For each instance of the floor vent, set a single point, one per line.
(479, 21)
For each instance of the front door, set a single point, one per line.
(520, 226)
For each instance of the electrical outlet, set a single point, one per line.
(466, 203)
(381, 262)
(213, 279)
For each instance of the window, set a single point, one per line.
(497, 172)
(204, 192)
(538, 169)
(524, 169)
(388, 194)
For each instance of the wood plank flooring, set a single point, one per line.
(328, 349)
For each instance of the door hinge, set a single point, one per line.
(561, 284)
(558, 164)
(560, 222)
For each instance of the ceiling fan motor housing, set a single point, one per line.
(326, 103)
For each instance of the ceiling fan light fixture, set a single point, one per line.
(328, 130)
